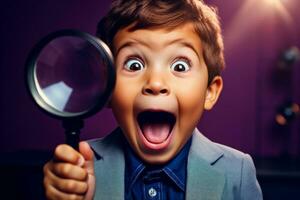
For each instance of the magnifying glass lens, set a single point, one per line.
(70, 74)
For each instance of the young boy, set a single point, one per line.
(168, 57)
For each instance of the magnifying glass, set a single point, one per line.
(70, 76)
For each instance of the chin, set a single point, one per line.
(157, 159)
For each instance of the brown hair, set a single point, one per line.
(168, 14)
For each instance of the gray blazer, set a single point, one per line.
(214, 171)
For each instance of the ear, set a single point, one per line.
(213, 92)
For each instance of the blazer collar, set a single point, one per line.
(203, 182)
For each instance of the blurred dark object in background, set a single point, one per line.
(282, 75)
(286, 113)
(288, 109)
(288, 58)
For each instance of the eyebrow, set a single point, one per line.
(179, 41)
(126, 44)
(186, 44)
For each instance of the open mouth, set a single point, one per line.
(156, 126)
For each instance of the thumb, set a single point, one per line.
(88, 155)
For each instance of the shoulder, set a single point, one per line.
(237, 167)
(232, 156)
(235, 161)
(241, 170)
(110, 144)
(235, 164)
(215, 153)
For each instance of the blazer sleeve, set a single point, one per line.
(249, 186)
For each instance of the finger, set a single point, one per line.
(91, 187)
(88, 154)
(86, 151)
(66, 185)
(65, 153)
(69, 171)
(54, 194)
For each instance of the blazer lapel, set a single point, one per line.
(109, 166)
(203, 182)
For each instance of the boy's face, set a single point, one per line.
(161, 89)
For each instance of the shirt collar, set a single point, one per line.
(174, 169)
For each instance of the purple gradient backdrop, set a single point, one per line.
(242, 118)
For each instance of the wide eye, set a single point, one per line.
(180, 66)
(134, 64)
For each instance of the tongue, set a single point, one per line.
(156, 133)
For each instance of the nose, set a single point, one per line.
(155, 85)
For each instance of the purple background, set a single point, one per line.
(243, 118)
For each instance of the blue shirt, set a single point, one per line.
(161, 182)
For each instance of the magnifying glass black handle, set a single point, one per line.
(72, 131)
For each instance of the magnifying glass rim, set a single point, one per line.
(31, 80)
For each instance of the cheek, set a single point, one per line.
(122, 101)
(191, 100)
(119, 101)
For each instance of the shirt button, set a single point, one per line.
(152, 192)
